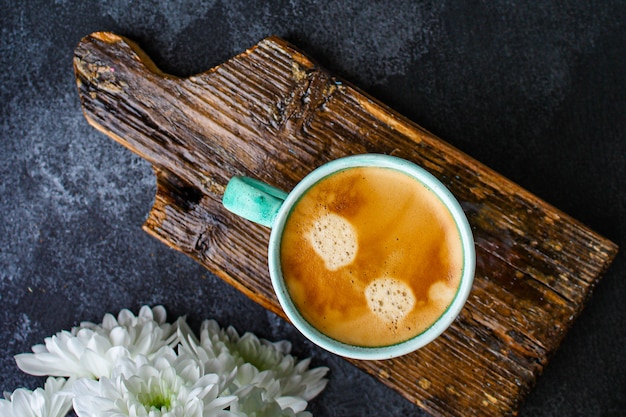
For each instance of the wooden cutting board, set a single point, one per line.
(273, 114)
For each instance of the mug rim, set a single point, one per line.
(386, 351)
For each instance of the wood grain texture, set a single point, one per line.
(273, 114)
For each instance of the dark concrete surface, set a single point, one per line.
(535, 90)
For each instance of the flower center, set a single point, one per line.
(155, 399)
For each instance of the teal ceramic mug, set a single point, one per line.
(332, 247)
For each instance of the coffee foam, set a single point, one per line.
(334, 239)
(390, 299)
(441, 293)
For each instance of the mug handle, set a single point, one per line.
(253, 200)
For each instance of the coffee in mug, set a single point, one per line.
(370, 256)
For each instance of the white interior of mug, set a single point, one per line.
(380, 352)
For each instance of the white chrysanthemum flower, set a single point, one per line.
(50, 401)
(91, 350)
(128, 366)
(166, 385)
(258, 363)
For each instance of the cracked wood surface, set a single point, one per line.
(273, 114)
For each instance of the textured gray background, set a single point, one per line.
(537, 92)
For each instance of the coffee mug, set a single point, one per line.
(371, 257)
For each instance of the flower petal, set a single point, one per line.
(297, 404)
